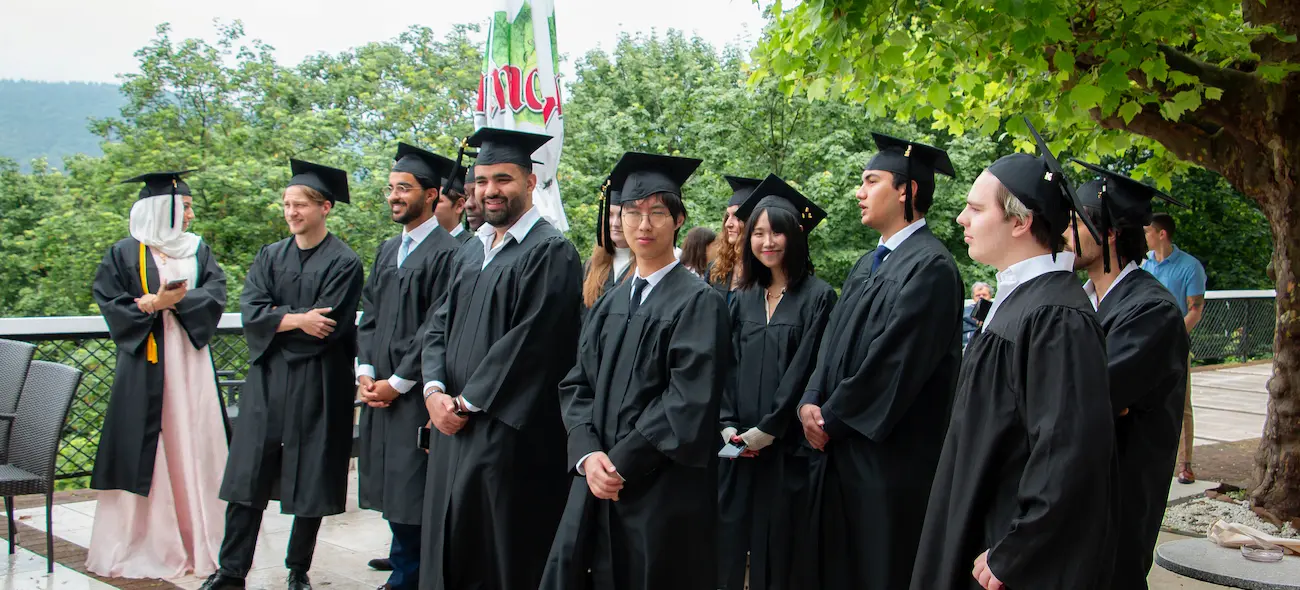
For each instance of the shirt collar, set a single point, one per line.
(460, 229)
(657, 275)
(420, 233)
(518, 231)
(897, 239)
(1025, 271)
(1091, 288)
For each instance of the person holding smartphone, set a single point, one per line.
(160, 453)
(777, 319)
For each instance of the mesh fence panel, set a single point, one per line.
(96, 357)
(1237, 329)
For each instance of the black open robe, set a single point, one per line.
(1147, 345)
(397, 301)
(128, 443)
(1028, 466)
(765, 502)
(646, 391)
(885, 380)
(504, 337)
(293, 438)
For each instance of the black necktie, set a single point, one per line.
(638, 287)
(881, 252)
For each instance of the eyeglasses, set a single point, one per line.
(401, 189)
(633, 218)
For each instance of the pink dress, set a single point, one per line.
(177, 530)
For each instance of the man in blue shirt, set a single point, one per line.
(1184, 276)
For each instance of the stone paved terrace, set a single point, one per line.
(1228, 405)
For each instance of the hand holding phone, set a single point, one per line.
(732, 450)
(176, 284)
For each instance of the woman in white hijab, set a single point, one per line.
(163, 445)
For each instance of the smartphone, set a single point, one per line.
(176, 284)
(422, 439)
(981, 310)
(731, 450)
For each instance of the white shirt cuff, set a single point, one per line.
(431, 384)
(581, 461)
(469, 406)
(366, 371)
(400, 384)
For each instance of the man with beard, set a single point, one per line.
(293, 438)
(494, 355)
(879, 397)
(410, 274)
(641, 408)
(1146, 345)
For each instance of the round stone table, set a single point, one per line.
(1201, 559)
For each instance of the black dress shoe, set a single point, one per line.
(219, 581)
(382, 565)
(299, 581)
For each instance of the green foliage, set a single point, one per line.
(981, 64)
(48, 119)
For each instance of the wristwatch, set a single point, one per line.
(461, 410)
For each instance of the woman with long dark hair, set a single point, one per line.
(725, 272)
(695, 250)
(778, 316)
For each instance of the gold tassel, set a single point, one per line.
(151, 348)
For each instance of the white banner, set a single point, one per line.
(520, 89)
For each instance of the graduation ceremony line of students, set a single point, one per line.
(531, 422)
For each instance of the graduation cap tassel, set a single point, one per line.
(907, 191)
(1105, 232)
(173, 203)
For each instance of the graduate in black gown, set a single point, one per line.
(611, 260)
(1146, 345)
(777, 319)
(878, 402)
(494, 355)
(641, 408)
(128, 444)
(724, 270)
(1022, 498)
(411, 272)
(450, 211)
(293, 438)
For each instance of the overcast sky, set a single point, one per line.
(94, 40)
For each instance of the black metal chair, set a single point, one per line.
(38, 427)
(15, 358)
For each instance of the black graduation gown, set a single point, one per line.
(396, 302)
(128, 443)
(1027, 470)
(884, 380)
(723, 287)
(503, 338)
(464, 236)
(764, 502)
(646, 391)
(1147, 345)
(610, 280)
(294, 430)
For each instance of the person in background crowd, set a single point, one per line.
(1184, 276)
(695, 250)
(724, 272)
(611, 260)
(980, 291)
(164, 441)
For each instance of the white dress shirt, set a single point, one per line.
(1024, 271)
(1091, 288)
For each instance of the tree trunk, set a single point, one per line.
(1277, 462)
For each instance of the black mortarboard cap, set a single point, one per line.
(456, 182)
(916, 161)
(1122, 202)
(423, 164)
(331, 182)
(774, 192)
(1041, 184)
(741, 188)
(505, 146)
(638, 175)
(161, 184)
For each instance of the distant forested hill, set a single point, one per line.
(49, 118)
